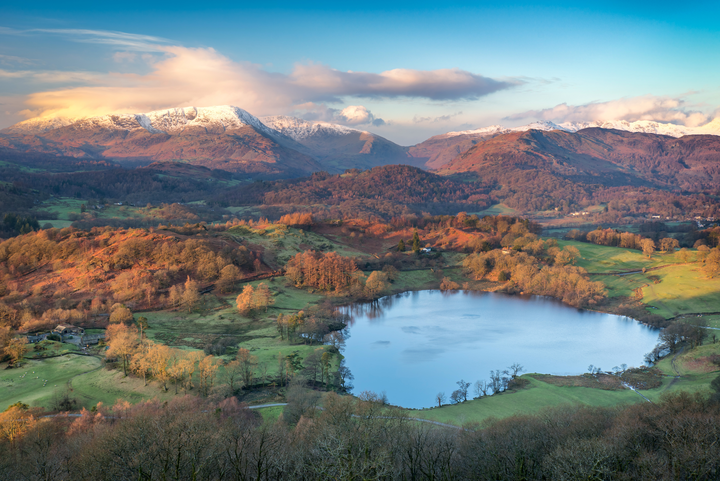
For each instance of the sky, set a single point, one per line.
(403, 70)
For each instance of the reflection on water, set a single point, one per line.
(416, 344)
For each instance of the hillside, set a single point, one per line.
(223, 137)
(338, 147)
(600, 156)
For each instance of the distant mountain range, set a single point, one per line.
(231, 139)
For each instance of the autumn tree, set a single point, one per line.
(16, 348)
(15, 421)
(375, 283)
(683, 255)
(228, 276)
(669, 244)
(190, 296)
(245, 300)
(448, 284)
(251, 299)
(711, 267)
(648, 247)
(120, 314)
(567, 256)
(122, 341)
(263, 297)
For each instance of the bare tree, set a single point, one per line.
(481, 388)
(463, 388)
(440, 398)
(516, 369)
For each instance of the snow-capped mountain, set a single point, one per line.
(339, 147)
(170, 121)
(299, 129)
(643, 126)
(223, 137)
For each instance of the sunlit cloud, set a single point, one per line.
(202, 77)
(646, 107)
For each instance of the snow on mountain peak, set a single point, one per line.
(299, 129)
(642, 126)
(169, 121)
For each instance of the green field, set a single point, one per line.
(603, 259)
(29, 389)
(533, 398)
(682, 289)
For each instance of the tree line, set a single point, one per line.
(206, 439)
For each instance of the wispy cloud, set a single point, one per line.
(201, 76)
(439, 119)
(132, 41)
(646, 107)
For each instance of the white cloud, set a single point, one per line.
(646, 107)
(203, 77)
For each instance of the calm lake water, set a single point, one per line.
(416, 344)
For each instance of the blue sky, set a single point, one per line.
(408, 70)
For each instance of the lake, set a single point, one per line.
(413, 345)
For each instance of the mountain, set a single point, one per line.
(599, 156)
(222, 137)
(338, 147)
(441, 149)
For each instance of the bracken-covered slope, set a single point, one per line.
(338, 147)
(223, 137)
(599, 156)
(440, 150)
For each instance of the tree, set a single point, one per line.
(228, 276)
(648, 247)
(142, 323)
(401, 246)
(15, 421)
(207, 368)
(416, 242)
(245, 300)
(121, 314)
(375, 284)
(515, 369)
(448, 284)
(263, 297)
(247, 365)
(711, 268)
(191, 295)
(669, 244)
(463, 388)
(683, 255)
(567, 256)
(233, 374)
(456, 396)
(122, 342)
(16, 348)
(481, 388)
(440, 398)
